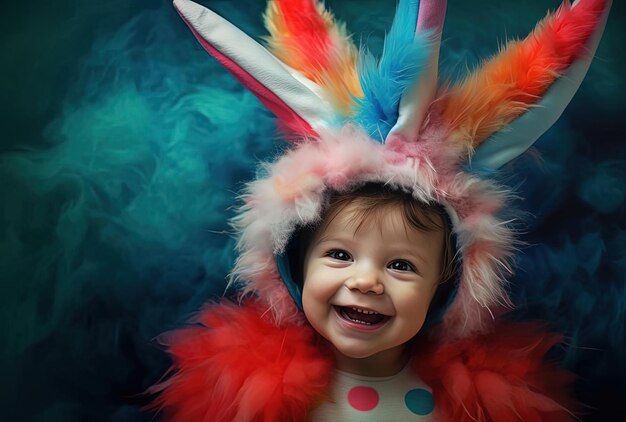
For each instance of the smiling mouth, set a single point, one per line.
(361, 316)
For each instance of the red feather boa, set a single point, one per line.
(236, 365)
(497, 376)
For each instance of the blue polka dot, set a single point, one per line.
(419, 401)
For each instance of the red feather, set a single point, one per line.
(306, 37)
(272, 373)
(235, 364)
(498, 376)
(306, 29)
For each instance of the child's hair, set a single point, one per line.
(372, 200)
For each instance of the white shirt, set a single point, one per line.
(400, 397)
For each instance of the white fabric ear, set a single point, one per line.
(260, 71)
(414, 104)
(521, 134)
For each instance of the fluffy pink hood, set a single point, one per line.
(294, 191)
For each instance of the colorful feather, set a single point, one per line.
(235, 364)
(295, 104)
(384, 81)
(304, 35)
(499, 376)
(511, 82)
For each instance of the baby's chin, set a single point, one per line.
(353, 353)
(358, 351)
(372, 362)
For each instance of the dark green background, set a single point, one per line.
(123, 144)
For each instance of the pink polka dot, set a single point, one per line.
(363, 398)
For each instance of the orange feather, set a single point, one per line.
(511, 82)
(304, 35)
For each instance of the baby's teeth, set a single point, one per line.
(363, 311)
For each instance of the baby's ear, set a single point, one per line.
(504, 106)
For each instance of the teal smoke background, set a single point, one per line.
(123, 146)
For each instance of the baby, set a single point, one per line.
(375, 225)
(371, 271)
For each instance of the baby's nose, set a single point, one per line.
(366, 281)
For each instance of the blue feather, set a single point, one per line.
(385, 81)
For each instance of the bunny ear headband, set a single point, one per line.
(353, 119)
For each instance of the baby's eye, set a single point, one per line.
(339, 254)
(401, 265)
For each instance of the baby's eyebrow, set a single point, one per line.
(338, 234)
(408, 250)
(330, 238)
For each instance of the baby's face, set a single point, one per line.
(368, 291)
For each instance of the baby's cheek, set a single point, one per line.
(313, 297)
(412, 303)
(308, 306)
(320, 285)
(315, 311)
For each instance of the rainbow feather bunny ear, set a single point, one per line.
(313, 77)
(503, 107)
(297, 101)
